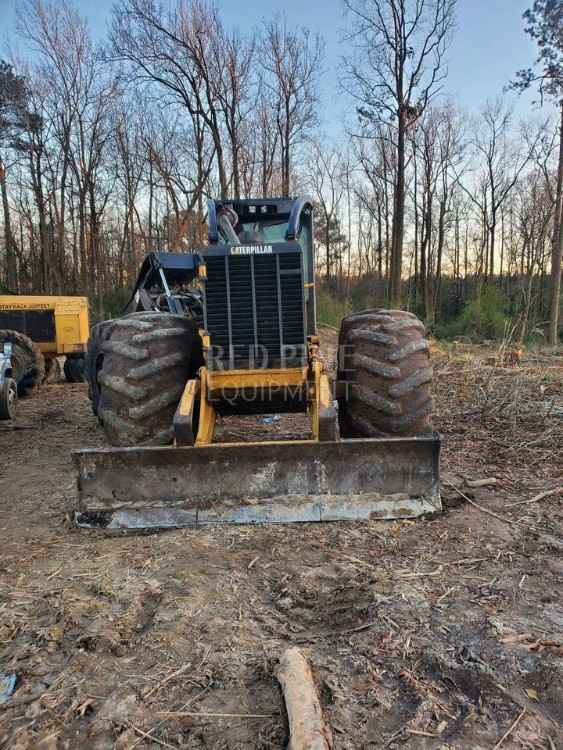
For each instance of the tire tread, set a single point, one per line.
(147, 359)
(384, 356)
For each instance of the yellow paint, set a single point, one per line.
(315, 395)
(183, 421)
(206, 413)
(325, 393)
(275, 377)
(191, 390)
(214, 382)
(320, 393)
(239, 444)
(72, 327)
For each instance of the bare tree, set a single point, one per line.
(325, 180)
(80, 86)
(398, 68)
(293, 60)
(430, 173)
(544, 23)
(450, 148)
(130, 155)
(176, 49)
(13, 117)
(376, 161)
(499, 162)
(535, 213)
(234, 57)
(267, 137)
(181, 169)
(104, 167)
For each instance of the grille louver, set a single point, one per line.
(254, 309)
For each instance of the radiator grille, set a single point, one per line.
(39, 325)
(254, 309)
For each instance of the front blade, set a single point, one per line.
(273, 482)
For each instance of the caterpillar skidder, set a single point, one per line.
(230, 329)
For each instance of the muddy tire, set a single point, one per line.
(28, 364)
(52, 371)
(146, 359)
(94, 361)
(8, 398)
(74, 369)
(383, 359)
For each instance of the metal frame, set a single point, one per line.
(273, 482)
(299, 210)
(211, 386)
(198, 481)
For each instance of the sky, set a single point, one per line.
(488, 47)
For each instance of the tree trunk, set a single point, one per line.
(85, 281)
(327, 245)
(221, 168)
(285, 171)
(425, 244)
(236, 165)
(501, 246)
(466, 253)
(307, 728)
(151, 200)
(61, 222)
(11, 267)
(387, 233)
(349, 201)
(398, 217)
(493, 235)
(379, 241)
(557, 247)
(416, 225)
(36, 170)
(527, 306)
(440, 252)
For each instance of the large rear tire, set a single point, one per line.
(28, 364)
(146, 359)
(74, 369)
(383, 358)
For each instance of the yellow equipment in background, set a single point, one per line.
(58, 326)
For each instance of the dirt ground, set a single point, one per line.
(441, 633)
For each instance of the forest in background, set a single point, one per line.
(110, 149)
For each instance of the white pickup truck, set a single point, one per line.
(8, 386)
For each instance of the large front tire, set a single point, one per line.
(147, 358)
(384, 362)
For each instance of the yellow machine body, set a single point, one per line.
(194, 422)
(254, 304)
(58, 325)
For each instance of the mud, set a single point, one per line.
(429, 634)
